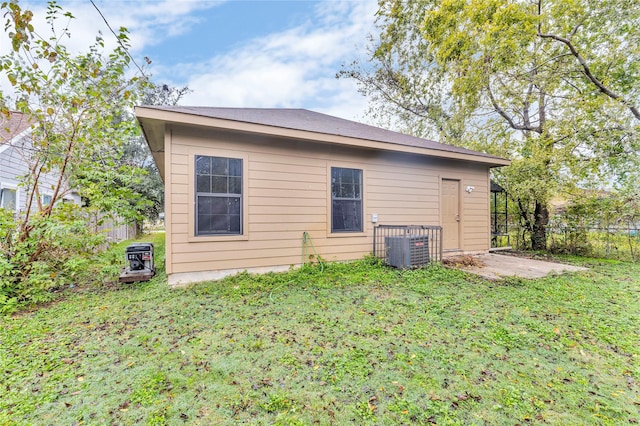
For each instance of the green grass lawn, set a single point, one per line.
(350, 343)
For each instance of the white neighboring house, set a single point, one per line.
(15, 147)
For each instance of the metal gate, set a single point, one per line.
(406, 246)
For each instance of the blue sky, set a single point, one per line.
(240, 53)
(232, 24)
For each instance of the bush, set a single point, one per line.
(57, 251)
(573, 241)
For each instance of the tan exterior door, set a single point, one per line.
(450, 200)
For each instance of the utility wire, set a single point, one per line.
(118, 39)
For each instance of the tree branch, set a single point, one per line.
(542, 110)
(508, 119)
(587, 72)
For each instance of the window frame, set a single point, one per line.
(346, 232)
(198, 195)
(13, 188)
(42, 199)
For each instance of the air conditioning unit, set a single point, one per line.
(407, 251)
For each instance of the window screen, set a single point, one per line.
(218, 195)
(346, 200)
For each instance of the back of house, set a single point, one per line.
(247, 189)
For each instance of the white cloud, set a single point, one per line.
(148, 22)
(152, 22)
(292, 68)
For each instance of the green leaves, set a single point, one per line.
(551, 85)
(354, 343)
(18, 25)
(80, 109)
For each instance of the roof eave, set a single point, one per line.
(9, 142)
(153, 131)
(180, 117)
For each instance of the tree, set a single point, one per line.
(75, 104)
(136, 153)
(553, 85)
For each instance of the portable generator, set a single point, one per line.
(140, 267)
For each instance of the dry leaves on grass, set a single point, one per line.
(464, 260)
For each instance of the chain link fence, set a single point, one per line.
(610, 242)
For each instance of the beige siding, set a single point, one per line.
(287, 192)
(169, 199)
(475, 225)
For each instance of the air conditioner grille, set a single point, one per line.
(406, 251)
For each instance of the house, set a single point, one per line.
(13, 129)
(243, 185)
(15, 149)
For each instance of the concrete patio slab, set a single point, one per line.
(498, 266)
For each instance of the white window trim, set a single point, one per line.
(13, 187)
(42, 195)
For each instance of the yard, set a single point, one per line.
(341, 344)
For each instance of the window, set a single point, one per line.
(218, 195)
(8, 199)
(346, 200)
(46, 200)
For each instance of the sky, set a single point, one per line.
(238, 53)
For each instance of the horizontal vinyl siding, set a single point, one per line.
(403, 194)
(14, 168)
(288, 218)
(259, 199)
(258, 210)
(284, 193)
(287, 194)
(257, 176)
(180, 179)
(257, 259)
(294, 241)
(294, 250)
(475, 213)
(287, 226)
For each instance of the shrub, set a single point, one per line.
(59, 250)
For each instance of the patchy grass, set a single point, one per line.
(354, 343)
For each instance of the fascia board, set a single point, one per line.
(197, 120)
(14, 140)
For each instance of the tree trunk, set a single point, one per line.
(137, 227)
(539, 234)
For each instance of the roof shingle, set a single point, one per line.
(12, 125)
(311, 121)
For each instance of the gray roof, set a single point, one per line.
(310, 121)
